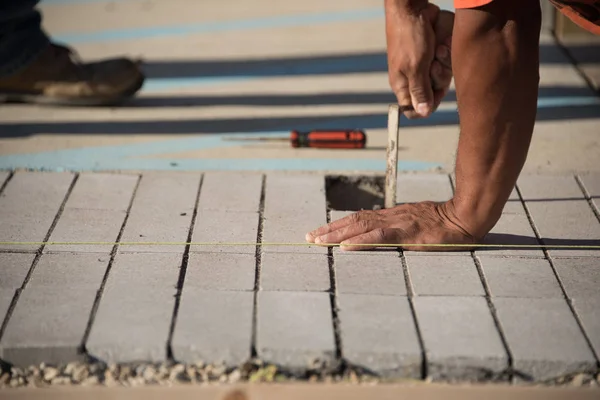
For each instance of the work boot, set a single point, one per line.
(58, 77)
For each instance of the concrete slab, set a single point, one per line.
(13, 269)
(512, 229)
(294, 272)
(6, 296)
(369, 274)
(217, 271)
(460, 338)
(225, 227)
(65, 271)
(544, 337)
(213, 326)
(378, 334)
(580, 277)
(295, 329)
(230, 192)
(101, 191)
(587, 310)
(591, 184)
(444, 276)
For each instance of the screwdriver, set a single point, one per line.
(324, 139)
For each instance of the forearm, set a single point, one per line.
(496, 71)
(405, 5)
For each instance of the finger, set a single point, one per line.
(421, 92)
(438, 96)
(371, 238)
(402, 92)
(340, 223)
(443, 54)
(440, 75)
(349, 231)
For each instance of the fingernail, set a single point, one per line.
(308, 237)
(423, 108)
(318, 240)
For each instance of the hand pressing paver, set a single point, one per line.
(230, 192)
(587, 310)
(460, 338)
(13, 269)
(295, 329)
(444, 276)
(28, 206)
(369, 274)
(47, 325)
(294, 272)
(544, 337)
(217, 271)
(580, 277)
(134, 316)
(214, 327)
(378, 333)
(161, 212)
(335, 215)
(226, 227)
(520, 277)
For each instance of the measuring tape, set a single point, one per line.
(270, 244)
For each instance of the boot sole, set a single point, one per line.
(61, 101)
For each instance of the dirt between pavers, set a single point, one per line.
(170, 374)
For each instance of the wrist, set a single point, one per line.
(476, 214)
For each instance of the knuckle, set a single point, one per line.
(364, 224)
(379, 235)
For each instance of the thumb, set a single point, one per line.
(421, 93)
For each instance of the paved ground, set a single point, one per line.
(457, 316)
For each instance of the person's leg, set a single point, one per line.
(33, 69)
(21, 35)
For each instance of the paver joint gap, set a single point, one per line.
(494, 313)
(337, 334)
(588, 197)
(258, 257)
(38, 254)
(113, 254)
(182, 271)
(6, 181)
(560, 283)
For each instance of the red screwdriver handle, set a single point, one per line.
(342, 139)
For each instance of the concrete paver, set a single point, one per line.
(13, 269)
(548, 187)
(93, 225)
(512, 229)
(580, 277)
(213, 325)
(64, 271)
(101, 191)
(28, 206)
(378, 333)
(6, 296)
(225, 227)
(444, 276)
(291, 229)
(230, 192)
(460, 337)
(544, 337)
(47, 325)
(218, 271)
(369, 274)
(591, 183)
(295, 329)
(161, 212)
(294, 272)
(587, 310)
(520, 277)
(133, 319)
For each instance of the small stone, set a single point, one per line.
(4, 378)
(223, 379)
(235, 376)
(14, 382)
(69, 368)
(16, 371)
(579, 380)
(124, 372)
(149, 374)
(80, 373)
(50, 373)
(217, 371)
(191, 373)
(199, 364)
(135, 381)
(61, 380)
(163, 372)
(91, 380)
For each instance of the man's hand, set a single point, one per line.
(419, 66)
(423, 223)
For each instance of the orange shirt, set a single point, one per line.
(585, 13)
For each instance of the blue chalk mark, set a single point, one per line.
(221, 26)
(549, 102)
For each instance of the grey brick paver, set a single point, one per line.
(47, 325)
(291, 229)
(591, 183)
(295, 329)
(3, 177)
(520, 277)
(230, 192)
(548, 187)
(460, 337)
(65, 270)
(161, 212)
(294, 272)
(98, 191)
(422, 187)
(378, 333)
(226, 227)
(6, 296)
(544, 338)
(133, 318)
(213, 327)
(28, 206)
(580, 277)
(587, 310)
(444, 276)
(369, 274)
(14, 268)
(82, 225)
(215, 271)
(512, 229)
